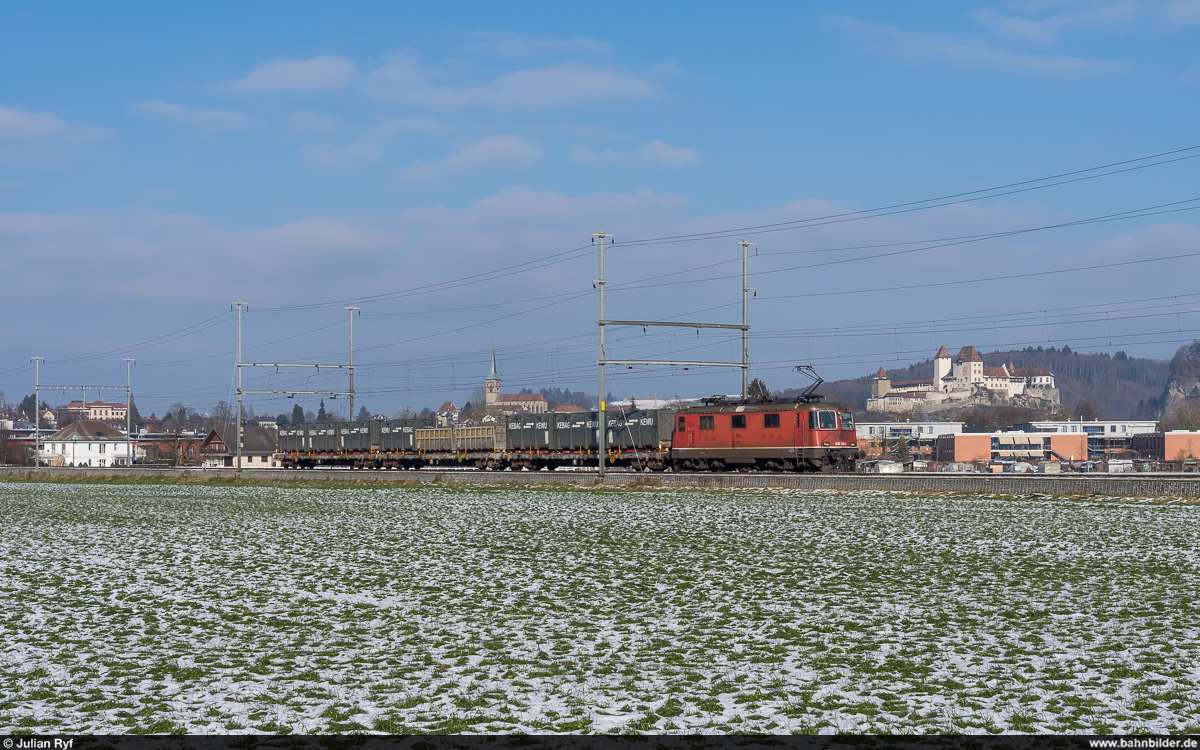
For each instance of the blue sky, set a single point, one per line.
(158, 163)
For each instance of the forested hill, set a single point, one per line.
(1125, 387)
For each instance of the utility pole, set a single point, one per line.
(128, 413)
(240, 305)
(37, 407)
(351, 311)
(746, 313)
(602, 236)
(643, 324)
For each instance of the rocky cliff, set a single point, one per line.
(1183, 383)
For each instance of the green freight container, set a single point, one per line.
(574, 431)
(361, 437)
(400, 434)
(529, 432)
(644, 430)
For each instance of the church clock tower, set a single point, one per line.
(493, 380)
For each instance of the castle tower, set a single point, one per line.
(880, 384)
(493, 379)
(941, 368)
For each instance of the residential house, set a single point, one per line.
(219, 448)
(87, 442)
(447, 414)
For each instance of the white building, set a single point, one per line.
(958, 379)
(910, 430)
(87, 442)
(98, 410)
(1110, 428)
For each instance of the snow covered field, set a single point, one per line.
(163, 607)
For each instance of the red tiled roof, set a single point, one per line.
(519, 397)
(942, 354)
(881, 375)
(968, 354)
(906, 383)
(1033, 372)
(569, 407)
(995, 372)
(447, 407)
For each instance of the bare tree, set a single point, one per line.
(1185, 415)
(1089, 409)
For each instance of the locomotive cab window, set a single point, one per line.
(706, 423)
(738, 421)
(770, 420)
(847, 420)
(682, 424)
(827, 420)
(812, 420)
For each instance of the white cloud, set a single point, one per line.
(1183, 12)
(18, 123)
(403, 79)
(512, 44)
(341, 159)
(489, 153)
(971, 52)
(588, 155)
(655, 152)
(185, 259)
(1049, 29)
(37, 137)
(205, 121)
(317, 74)
(661, 152)
(416, 124)
(306, 122)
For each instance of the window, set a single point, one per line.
(770, 420)
(847, 420)
(827, 420)
(706, 423)
(738, 421)
(682, 424)
(812, 420)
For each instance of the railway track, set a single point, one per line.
(1136, 485)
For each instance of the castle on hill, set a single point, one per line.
(963, 380)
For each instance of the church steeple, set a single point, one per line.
(493, 378)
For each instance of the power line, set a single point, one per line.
(920, 205)
(1121, 216)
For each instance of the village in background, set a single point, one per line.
(1037, 409)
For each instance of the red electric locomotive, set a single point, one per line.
(800, 434)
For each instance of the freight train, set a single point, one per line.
(801, 434)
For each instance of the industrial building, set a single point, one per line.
(1011, 446)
